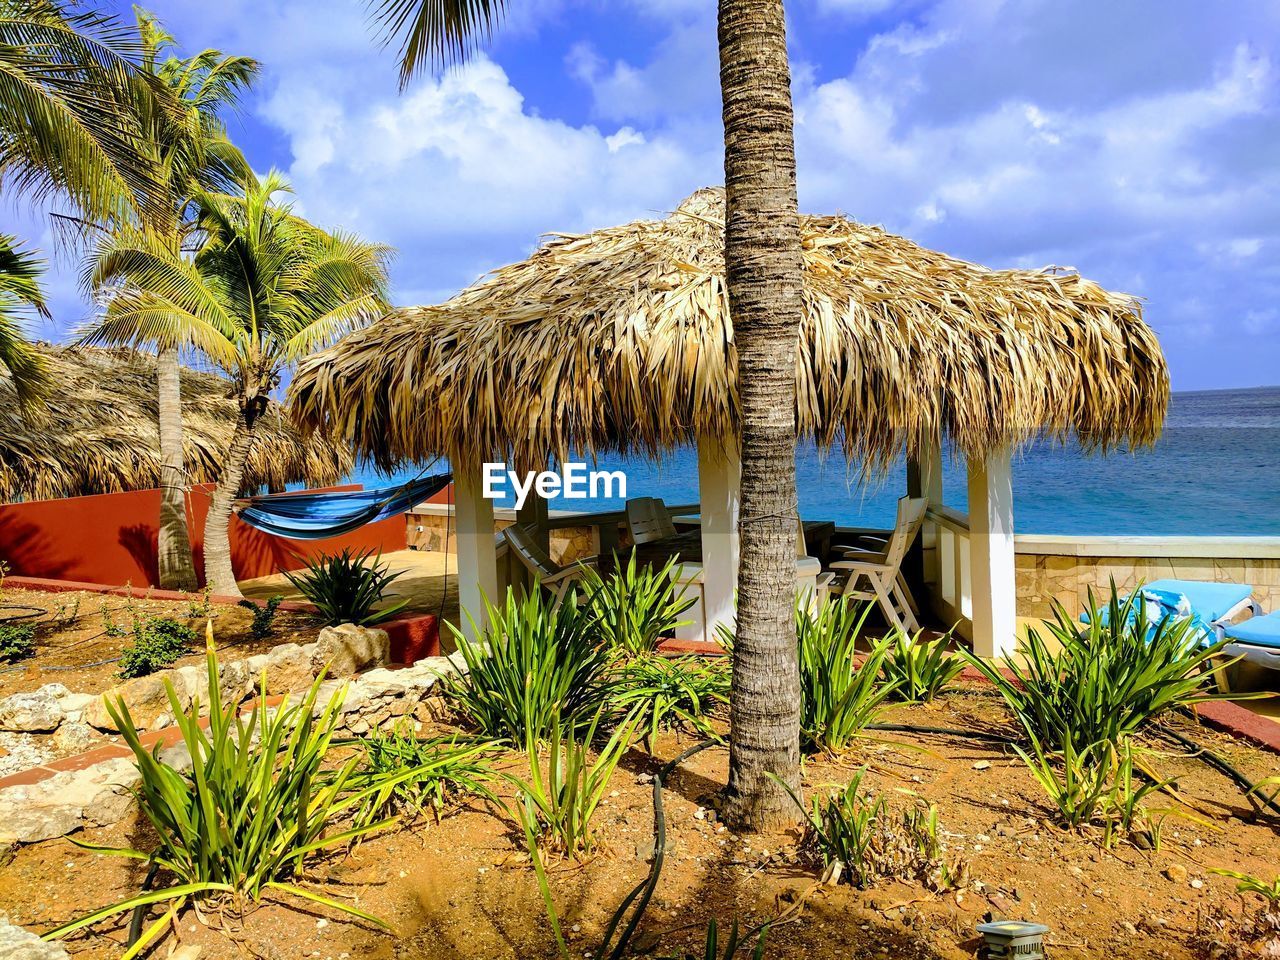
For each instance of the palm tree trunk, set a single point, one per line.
(176, 568)
(218, 573)
(764, 271)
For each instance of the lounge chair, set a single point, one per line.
(1210, 605)
(877, 575)
(552, 576)
(648, 520)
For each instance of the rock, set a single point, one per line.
(31, 712)
(345, 650)
(146, 699)
(19, 944)
(96, 796)
(73, 704)
(74, 736)
(1196, 883)
(288, 669)
(1176, 872)
(982, 765)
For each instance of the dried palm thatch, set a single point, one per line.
(620, 340)
(98, 433)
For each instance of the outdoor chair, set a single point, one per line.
(648, 520)
(552, 576)
(877, 574)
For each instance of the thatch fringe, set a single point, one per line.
(98, 433)
(620, 340)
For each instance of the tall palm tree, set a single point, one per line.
(66, 94)
(185, 148)
(264, 288)
(764, 272)
(20, 295)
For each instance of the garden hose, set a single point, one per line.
(942, 731)
(1223, 767)
(645, 888)
(140, 911)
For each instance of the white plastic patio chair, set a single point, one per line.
(553, 577)
(877, 575)
(648, 520)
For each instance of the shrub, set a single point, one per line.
(264, 617)
(535, 661)
(17, 641)
(861, 838)
(1268, 890)
(920, 670)
(347, 586)
(711, 945)
(1111, 677)
(443, 771)
(255, 804)
(838, 699)
(635, 606)
(158, 642)
(559, 807)
(667, 693)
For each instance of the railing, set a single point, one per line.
(945, 540)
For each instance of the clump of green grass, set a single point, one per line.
(535, 663)
(347, 586)
(667, 693)
(918, 669)
(158, 642)
(636, 605)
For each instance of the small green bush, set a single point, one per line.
(920, 670)
(264, 617)
(670, 692)
(158, 642)
(536, 662)
(17, 641)
(1110, 678)
(635, 606)
(415, 776)
(347, 586)
(838, 698)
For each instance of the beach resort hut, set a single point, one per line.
(620, 340)
(97, 432)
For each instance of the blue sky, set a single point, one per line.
(1136, 140)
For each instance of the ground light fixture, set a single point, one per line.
(1014, 939)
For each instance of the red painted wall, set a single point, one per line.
(111, 539)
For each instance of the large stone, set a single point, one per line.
(31, 712)
(289, 669)
(96, 796)
(19, 944)
(146, 698)
(347, 649)
(75, 736)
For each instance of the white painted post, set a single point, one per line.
(991, 556)
(477, 552)
(719, 479)
(924, 479)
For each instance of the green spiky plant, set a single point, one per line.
(1108, 679)
(838, 698)
(636, 605)
(347, 586)
(713, 950)
(669, 692)
(919, 669)
(535, 662)
(255, 804)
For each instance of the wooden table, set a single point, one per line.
(687, 546)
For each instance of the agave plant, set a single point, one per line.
(920, 669)
(669, 692)
(635, 606)
(347, 586)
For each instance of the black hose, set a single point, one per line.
(645, 888)
(1215, 761)
(140, 911)
(942, 731)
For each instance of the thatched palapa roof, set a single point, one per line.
(97, 432)
(620, 339)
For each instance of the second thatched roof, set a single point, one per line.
(620, 340)
(97, 432)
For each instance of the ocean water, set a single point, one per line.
(1215, 471)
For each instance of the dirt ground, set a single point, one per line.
(79, 636)
(465, 888)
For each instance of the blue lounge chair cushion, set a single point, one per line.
(1261, 631)
(1210, 601)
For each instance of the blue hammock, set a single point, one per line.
(314, 516)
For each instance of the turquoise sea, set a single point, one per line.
(1215, 471)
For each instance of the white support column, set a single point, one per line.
(477, 553)
(924, 479)
(991, 556)
(719, 479)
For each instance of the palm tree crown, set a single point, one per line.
(20, 295)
